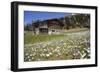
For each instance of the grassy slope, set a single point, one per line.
(30, 39)
(60, 50)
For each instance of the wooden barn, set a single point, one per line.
(52, 26)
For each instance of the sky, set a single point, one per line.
(30, 16)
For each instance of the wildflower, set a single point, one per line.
(58, 47)
(64, 43)
(32, 58)
(47, 55)
(26, 54)
(83, 55)
(29, 59)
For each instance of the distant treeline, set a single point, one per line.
(68, 22)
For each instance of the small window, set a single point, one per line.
(53, 30)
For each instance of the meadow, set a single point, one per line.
(69, 45)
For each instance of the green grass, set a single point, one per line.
(30, 39)
(57, 47)
(76, 30)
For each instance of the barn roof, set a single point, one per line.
(49, 22)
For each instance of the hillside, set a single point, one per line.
(67, 22)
